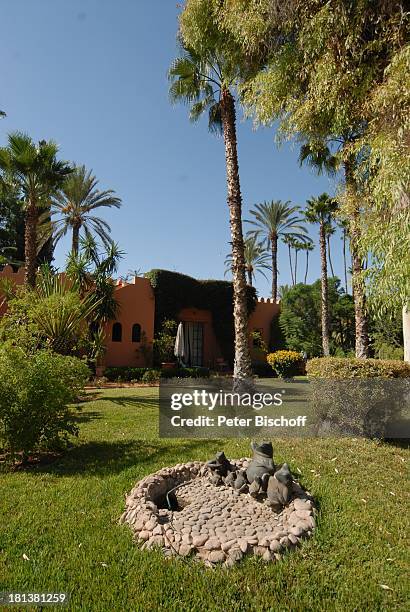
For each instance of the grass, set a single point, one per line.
(63, 517)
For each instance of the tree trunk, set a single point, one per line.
(328, 254)
(344, 258)
(296, 265)
(242, 365)
(274, 247)
(324, 298)
(290, 264)
(30, 248)
(361, 325)
(249, 273)
(406, 332)
(76, 240)
(307, 266)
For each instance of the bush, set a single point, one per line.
(151, 376)
(285, 363)
(185, 373)
(262, 369)
(35, 393)
(359, 396)
(344, 368)
(124, 374)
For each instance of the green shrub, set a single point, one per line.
(185, 373)
(124, 374)
(285, 363)
(151, 376)
(344, 368)
(359, 396)
(35, 393)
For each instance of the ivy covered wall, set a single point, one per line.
(174, 291)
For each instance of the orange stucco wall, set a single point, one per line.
(261, 318)
(136, 305)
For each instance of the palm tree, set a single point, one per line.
(330, 230)
(319, 156)
(205, 80)
(274, 220)
(308, 247)
(288, 240)
(38, 174)
(75, 203)
(344, 225)
(256, 259)
(304, 244)
(319, 210)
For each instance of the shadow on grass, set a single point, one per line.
(106, 458)
(127, 400)
(85, 417)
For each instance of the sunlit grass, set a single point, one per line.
(63, 517)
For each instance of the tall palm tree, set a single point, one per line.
(344, 225)
(206, 80)
(38, 174)
(308, 247)
(75, 203)
(256, 259)
(273, 220)
(319, 210)
(288, 241)
(304, 244)
(320, 157)
(330, 230)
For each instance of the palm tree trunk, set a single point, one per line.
(76, 240)
(249, 273)
(274, 248)
(406, 331)
(296, 265)
(325, 298)
(290, 263)
(361, 324)
(307, 266)
(30, 248)
(328, 254)
(344, 258)
(242, 365)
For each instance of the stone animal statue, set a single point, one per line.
(262, 462)
(220, 467)
(279, 489)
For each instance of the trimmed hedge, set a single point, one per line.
(126, 374)
(174, 291)
(345, 368)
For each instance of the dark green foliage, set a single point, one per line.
(277, 339)
(125, 374)
(35, 393)
(174, 291)
(300, 318)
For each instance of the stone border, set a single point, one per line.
(153, 527)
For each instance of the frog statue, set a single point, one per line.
(262, 462)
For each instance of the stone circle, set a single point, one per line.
(214, 523)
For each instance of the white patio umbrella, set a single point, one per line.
(179, 349)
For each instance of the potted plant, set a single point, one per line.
(164, 344)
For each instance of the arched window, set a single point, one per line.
(116, 332)
(136, 332)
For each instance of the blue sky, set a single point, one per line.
(91, 74)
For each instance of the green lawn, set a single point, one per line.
(63, 517)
